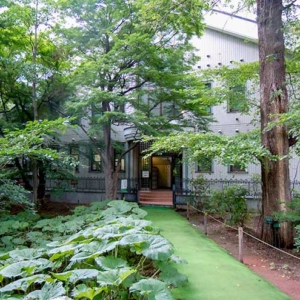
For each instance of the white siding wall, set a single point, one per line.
(217, 48)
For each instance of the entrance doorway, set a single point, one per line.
(161, 172)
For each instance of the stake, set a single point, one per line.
(241, 244)
(188, 211)
(205, 223)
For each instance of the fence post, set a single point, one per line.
(188, 210)
(241, 244)
(205, 223)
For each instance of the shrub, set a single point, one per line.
(13, 194)
(291, 215)
(229, 204)
(200, 192)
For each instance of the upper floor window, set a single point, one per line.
(208, 87)
(205, 165)
(236, 98)
(236, 168)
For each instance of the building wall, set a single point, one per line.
(216, 49)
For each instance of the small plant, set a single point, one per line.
(293, 212)
(13, 194)
(229, 204)
(297, 238)
(200, 191)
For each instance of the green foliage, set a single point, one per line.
(200, 192)
(297, 238)
(229, 204)
(292, 214)
(13, 194)
(94, 254)
(241, 149)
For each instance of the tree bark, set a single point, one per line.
(273, 100)
(107, 156)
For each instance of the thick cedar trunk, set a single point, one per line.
(273, 101)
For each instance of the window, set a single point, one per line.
(74, 153)
(207, 95)
(236, 169)
(205, 165)
(118, 153)
(95, 162)
(96, 113)
(236, 98)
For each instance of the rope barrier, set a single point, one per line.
(271, 246)
(250, 235)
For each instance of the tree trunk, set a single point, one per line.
(41, 191)
(35, 178)
(108, 160)
(273, 101)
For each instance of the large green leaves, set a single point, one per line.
(152, 289)
(152, 246)
(48, 291)
(24, 283)
(25, 268)
(77, 275)
(103, 259)
(111, 263)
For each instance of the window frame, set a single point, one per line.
(236, 168)
(208, 86)
(123, 164)
(75, 155)
(236, 108)
(201, 169)
(93, 161)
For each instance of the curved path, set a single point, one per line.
(213, 274)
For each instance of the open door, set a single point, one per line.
(161, 172)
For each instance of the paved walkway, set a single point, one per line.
(213, 274)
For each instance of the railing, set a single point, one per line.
(183, 190)
(185, 186)
(88, 185)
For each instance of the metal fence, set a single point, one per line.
(187, 187)
(88, 185)
(184, 190)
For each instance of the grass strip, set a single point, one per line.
(213, 274)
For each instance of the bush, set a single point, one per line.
(229, 204)
(200, 192)
(13, 194)
(291, 215)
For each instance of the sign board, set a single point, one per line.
(124, 185)
(145, 174)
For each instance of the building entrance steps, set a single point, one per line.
(156, 197)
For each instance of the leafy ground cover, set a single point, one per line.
(213, 274)
(91, 254)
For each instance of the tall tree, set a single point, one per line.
(279, 126)
(273, 101)
(134, 66)
(31, 74)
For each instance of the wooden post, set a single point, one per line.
(205, 223)
(241, 244)
(188, 211)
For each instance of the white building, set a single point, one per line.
(226, 40)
